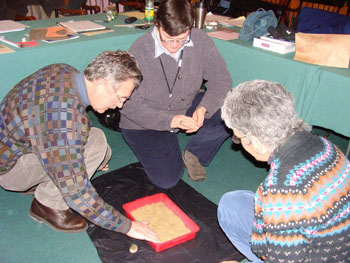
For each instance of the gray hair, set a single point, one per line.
(262, 109)
(115, 67)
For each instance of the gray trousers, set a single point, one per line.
(29, 172)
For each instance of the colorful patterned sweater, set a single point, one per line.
(45, 114)
(302, 208)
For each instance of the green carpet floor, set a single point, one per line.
(23, 240)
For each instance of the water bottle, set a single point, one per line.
(149, 12)
(200, 14)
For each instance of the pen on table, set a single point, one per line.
(9, 42)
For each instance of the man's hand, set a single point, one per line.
(141, 230)
(198, 115)
(189, 124)
(185, 123)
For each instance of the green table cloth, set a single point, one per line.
(322, 94)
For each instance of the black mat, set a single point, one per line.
(129, 183)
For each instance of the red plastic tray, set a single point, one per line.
(192, 226)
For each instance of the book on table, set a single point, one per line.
(11, 26)
(82, 26)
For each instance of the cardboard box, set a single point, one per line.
(161, 197)
(275, 45)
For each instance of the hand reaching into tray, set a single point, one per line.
(141, 230)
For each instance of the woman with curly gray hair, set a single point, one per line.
(303, 205)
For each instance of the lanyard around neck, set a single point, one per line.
(177, 74)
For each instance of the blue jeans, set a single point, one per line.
(236, 217)
(160, 154)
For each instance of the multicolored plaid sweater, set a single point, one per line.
(44, 114)
(302, 208)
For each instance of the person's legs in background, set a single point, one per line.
(159, 153)
(209, 138)
(236, 217)
(205, 143)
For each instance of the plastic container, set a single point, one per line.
(149, 12)
(158, 247)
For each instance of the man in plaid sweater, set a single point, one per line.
(47, 142)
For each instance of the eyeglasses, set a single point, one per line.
(177, 41)
(237, 140)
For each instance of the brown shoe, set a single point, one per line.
(195, 170)
(59, 220)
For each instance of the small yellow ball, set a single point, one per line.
(133, 248)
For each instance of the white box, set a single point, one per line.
(275, 45)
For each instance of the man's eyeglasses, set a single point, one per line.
(177, 41)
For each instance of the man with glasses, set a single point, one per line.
(175, 60)
(47, 142)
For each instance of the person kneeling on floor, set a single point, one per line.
(301, 211)
(47, 142)
(175, 59)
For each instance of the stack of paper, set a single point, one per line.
(210, 17)
(225, 20)
(82, 26)
(4, 49)
(238, 22)
(10, 26)
(49, 33)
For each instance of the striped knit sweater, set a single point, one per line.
(302, 208)
(44, 114)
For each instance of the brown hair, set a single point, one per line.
(175, 16)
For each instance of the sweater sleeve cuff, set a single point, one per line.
(123, 225)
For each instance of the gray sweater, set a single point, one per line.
(150, 108)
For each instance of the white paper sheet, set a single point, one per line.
(10, 26)
(82, 26)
